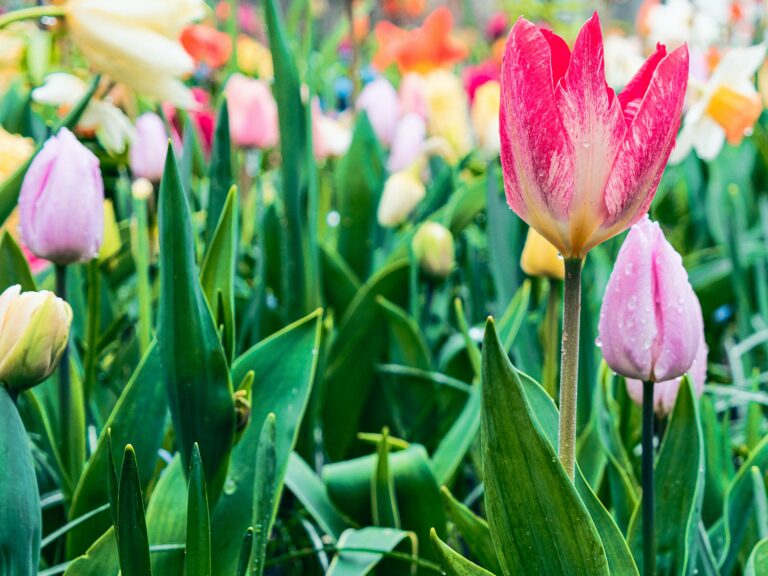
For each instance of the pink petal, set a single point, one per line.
(593, 120)
(535, 153)
(635, 90)
(561, 55)
(648, 143)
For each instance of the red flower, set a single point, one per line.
(206, 44)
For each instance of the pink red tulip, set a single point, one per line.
(61, 202)
(149, 147)
(252, 113)
(581, 164)
(650, 323)
(380, 101)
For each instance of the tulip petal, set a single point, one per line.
(535, 153)
(637, 87)
(561, 55)
(649, 141)
(594, 121)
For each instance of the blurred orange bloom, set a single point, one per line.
(206, 44)
(421, 49)
(410, 8)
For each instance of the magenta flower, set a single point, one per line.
(61, 202)
(149, 147)
(582, 164)
(380, 101)
(650, 326)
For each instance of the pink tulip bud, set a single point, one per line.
(581, 163)
(380, 101)
(412, 97)
(650, 324)
(61, 202)
(665, 393)
(408, 142)
(149, 147)
(252, 113)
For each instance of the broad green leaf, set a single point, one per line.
(383, 500)
(716, 454)
(340, 284)
(410, 343)
(359, 183)
(138, 418)
(131, 529)
(167, 518)
(218, 272)
(198, 549)
(309, 489)
(538, 521)
(244, 562)
(454, 563)
(13, 265)
(196, 374)
(474, 530)
(459, 439)
(220, 175)
(679, 485)
(354, 353)
(359, 563)
(100, 559)
(20, 520)
(757, 563)
(264, 492)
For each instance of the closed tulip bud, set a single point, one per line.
(35, 328)
(650, 325)
(380, 101)
(252, 113)
(540, 258)
(402, 193)
(61, 202)
(665, 393)
(149, 147)
(408, 143)
(433, 248)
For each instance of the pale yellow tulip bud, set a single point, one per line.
(34, 328)
(402, 193)
(433, 248)
(540, 258)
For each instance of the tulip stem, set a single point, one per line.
(551, 317)
(569, 365)
(32, 13)
(649, 536)
(65, 386)
(141, 255)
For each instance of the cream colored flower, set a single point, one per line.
(402, 193)
(137, 42)
(485, 117)
(447, 107)
(14, 151)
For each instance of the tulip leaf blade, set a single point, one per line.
(196, 373)
(220, 170)
(757, 563)
(538, 521)
(264, 503)
(454, 563)
(384, 509)
(198, 550)
(13, 265)
(131, 528)
(99, 560)
(377, 543)
(679, 486)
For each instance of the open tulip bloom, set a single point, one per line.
(581, 163)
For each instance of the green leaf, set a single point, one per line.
(100, 559)
(375, 542)
(454, 563)
(131, 529)
(538, 521)
(757, 563)
(679, 485)
(198, 550)
(13, 265)
(220, 170)
(20, 520)
(383, 500)
(244, 562)
(138, 418)
(474, 530)
(340, 284)
(265, 484)
(309, 489)
(353, 355)
(167, 518)
(411, 345)
(196, 373)
(218, 272)
(459, 439)
(359, 183)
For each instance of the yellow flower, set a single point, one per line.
(34, 328)
(137, 42)
(485, 117)
(402, 193)
(14, 151)
(540, 258)
(254, 58)
(433, 248)
(111, 243)
(447, 110)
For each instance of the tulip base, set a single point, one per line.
(569, 365)
(649, 536)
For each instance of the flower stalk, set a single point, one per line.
(32, 13)
(65, 386)
(569, 365)
(649, 535)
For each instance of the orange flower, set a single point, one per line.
(206, 44)
(421, 49)
(410, 8)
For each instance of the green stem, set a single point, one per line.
(552, 315)
(569, 365)
(92, 329)
(65, 386)
(649, 537)
(32, 13)
(140, 242)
